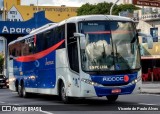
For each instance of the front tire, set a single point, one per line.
(63, 96)
(112, 98)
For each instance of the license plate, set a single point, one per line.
(116, 90)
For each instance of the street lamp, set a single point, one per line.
(113, 6)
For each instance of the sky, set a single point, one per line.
(64, 2)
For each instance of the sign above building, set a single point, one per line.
(16, 12)
(25, 27)
(152, 3)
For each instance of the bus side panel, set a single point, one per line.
(70, 79)
(38, 74)
(46, 71)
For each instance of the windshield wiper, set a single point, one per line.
(134, 38)
(103, 53)
(120, 60)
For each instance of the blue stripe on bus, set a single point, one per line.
(103, 91)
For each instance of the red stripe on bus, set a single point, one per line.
(99, 32)
(108, 32)
(39, 55)
(121, 31)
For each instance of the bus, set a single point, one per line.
(80, 57)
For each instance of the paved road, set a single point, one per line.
(51, 104)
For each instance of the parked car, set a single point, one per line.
(3, 81)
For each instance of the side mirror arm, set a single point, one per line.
(82, 39)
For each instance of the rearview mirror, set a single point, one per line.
(149, 39)
(82, 39)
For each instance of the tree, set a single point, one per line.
(104, 8)
(86, 9)
(125, 7)
(100, 8)
(1, 63)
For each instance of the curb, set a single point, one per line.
(153, 91)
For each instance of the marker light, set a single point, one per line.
(126, 78)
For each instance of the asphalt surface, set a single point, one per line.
(45, 104)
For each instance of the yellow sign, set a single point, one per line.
(17, 12)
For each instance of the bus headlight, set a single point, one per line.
(136, 80)
(90, 82)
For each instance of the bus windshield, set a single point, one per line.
(110, 46)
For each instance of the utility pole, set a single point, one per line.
(37, 6)
(113, 6)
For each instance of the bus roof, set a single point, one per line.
(74, 20)
(96, 17)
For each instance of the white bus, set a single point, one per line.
(83, 56)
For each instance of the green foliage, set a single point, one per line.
(100, 8)
(125, 7)
(1, 63)
(104, 8)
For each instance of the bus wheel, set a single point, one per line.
(63, 96)
(20, 90)
(24, 93)
(112, 98)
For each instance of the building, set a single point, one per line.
(127, 1)
(149, 17)
(1, 10)
(148, 21)
(19, 20)
(14, 11)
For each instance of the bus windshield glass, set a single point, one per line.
(109, 46)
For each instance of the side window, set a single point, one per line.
(12, 51)
(18, 49)
(31, 47)
(61, 35)
(27, 46)
(48, 39)
(72, 47)
(39, 43)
